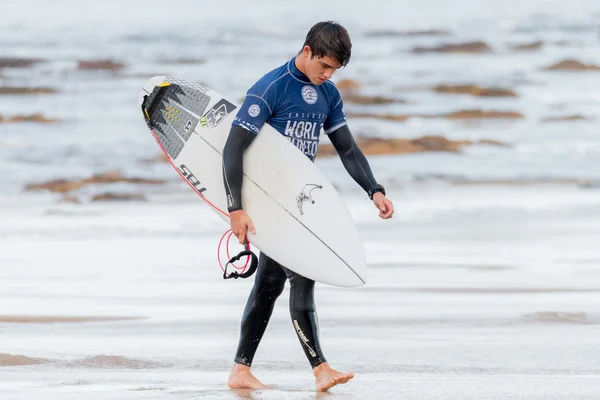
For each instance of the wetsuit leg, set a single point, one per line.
(304, 316)
(268, 285)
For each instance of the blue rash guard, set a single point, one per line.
(298, 110)
(287, 100)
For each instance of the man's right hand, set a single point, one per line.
(240, 224)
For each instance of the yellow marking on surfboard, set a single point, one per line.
(164, 84)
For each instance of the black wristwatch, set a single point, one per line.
(376, 189)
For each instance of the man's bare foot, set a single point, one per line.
(242, 378)
(326, 377)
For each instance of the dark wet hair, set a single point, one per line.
(329, 39)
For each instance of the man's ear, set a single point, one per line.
(307, 52)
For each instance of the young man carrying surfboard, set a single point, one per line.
(299, 101)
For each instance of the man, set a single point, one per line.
(296, 97)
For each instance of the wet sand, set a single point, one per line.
(499, 307)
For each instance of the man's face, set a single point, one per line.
(319, 69)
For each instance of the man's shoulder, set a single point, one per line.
(331, 92)
(330, 87)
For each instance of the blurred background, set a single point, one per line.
(480, 118)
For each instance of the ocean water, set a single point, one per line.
(484, 285)
(101, 125)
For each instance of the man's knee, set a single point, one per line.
(269, 285)
(302, 295)
(273, 287)
(302, 306)
(270, 277)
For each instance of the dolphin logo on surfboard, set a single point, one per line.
(306, 195)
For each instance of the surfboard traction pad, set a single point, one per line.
(175, 111)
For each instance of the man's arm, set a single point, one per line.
(353, 158)
(233, 165)
(357, 166)
(233, 174)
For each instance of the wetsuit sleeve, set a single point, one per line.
(353, 158)
(233, 161)
(259, 104)
(336, 117)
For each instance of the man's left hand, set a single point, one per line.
(384, 205)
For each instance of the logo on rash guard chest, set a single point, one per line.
(309, 94)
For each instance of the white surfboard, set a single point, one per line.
(300, 219)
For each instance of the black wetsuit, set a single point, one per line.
(299, 110)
